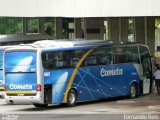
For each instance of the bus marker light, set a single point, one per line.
(38, 87)
(4, 88)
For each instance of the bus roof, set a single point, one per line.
(6, 47)
(78, 42)
(67, 44)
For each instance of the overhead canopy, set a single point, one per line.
(79, 8)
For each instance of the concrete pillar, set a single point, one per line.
(118, 29)
(25, 25)
(150, 33)
(113, 24)
(78, 28)
(139, 30)
(41, 26)
(59, 28)
(94, 28)
(124, 29)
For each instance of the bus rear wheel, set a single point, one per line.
(71, 98)
(133, 91)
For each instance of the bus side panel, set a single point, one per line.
(92, 83)
(58, 93)
(59, 80)
(104, 81)
(84, 92)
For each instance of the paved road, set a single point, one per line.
(147, 104)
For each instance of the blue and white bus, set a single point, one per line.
(2, 49)
(68, 71)
(7, 41)
(1, 73)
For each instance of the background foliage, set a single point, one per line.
(11, 25)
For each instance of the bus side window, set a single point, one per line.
(48, 60)
(75, 56)
(119, 55)
(74, 62)
(60, 63)
(104, 56)
(54, 60)
(128, 56)
(131, 54)
(91, 61)
(102, 59)
(61, 59)
(144, 52)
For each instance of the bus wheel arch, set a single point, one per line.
(72, 97)
(133, 90)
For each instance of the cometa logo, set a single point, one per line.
(115, 72)
(20, 87)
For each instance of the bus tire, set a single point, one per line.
(41, 105)
(133, 91)
(71, 98)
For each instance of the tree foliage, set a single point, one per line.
(49, 25)
(157, 23)
(130, 26)
(10, 25)
(33, 25)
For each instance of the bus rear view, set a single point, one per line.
(20, 76)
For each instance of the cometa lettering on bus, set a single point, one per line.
(111, 72)
(20, 87)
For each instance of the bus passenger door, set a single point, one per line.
(146, 64)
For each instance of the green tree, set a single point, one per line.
(33, 25)
(130, 26)
(157, 23)
(9, 25)
(49, 26)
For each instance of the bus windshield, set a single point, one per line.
(21, 58)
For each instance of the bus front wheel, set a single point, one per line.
(133, 91)
(71, 98)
